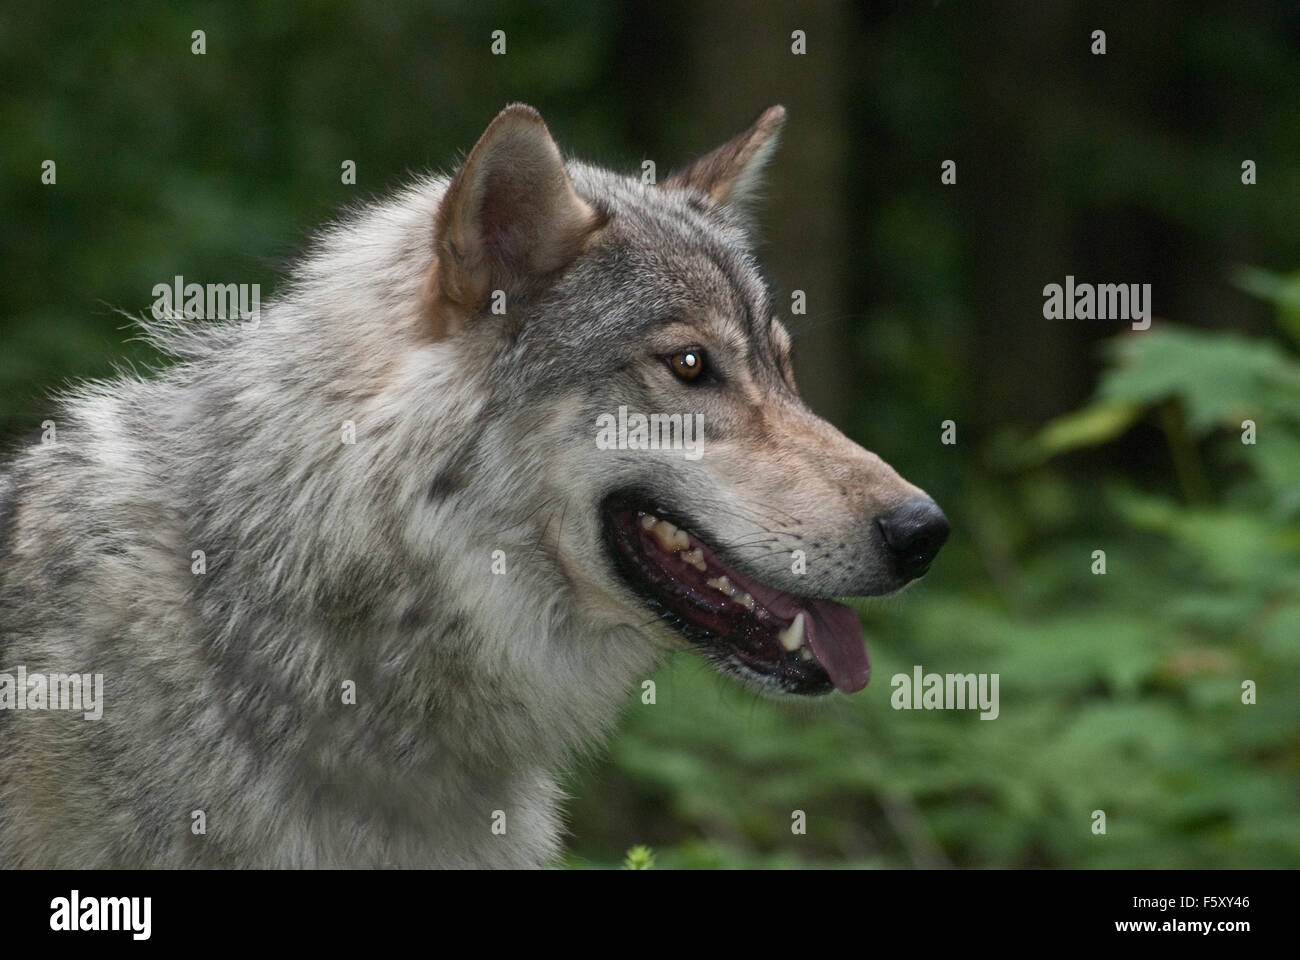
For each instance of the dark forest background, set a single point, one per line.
(1120, 692)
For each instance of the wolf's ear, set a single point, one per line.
(730, 174)
(509, 217)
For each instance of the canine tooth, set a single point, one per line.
(792, 636)
(695, 558)
(746, 601)
(647, 521)
(666, 534)
(720, 583)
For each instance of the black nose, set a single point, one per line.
(914, 533)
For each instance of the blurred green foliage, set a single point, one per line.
(1119, 692)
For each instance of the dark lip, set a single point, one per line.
(733, 642)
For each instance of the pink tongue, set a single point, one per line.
(835, 634)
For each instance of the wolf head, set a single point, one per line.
(640, 397)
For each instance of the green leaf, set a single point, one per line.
(1095, 424)
(1283, 291)
(1220, 378)
(639, 858)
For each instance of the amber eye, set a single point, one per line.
(688, 364)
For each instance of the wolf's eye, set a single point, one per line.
(687, 364)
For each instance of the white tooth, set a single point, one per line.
(681, 540)
(720, 583)
(805, 653)
(792, 636)
(666, 534)
(746, 601)
(695, 558)
(647, 521)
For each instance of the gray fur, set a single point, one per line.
(371, 562)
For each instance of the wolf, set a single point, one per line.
(358, 579)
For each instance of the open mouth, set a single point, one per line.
(801, 645)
